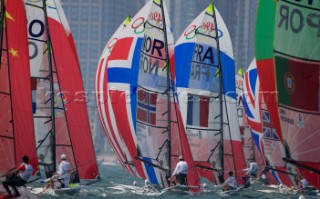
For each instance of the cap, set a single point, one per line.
(180, 157)
(63, 157)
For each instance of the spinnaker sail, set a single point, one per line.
(17, 137)
(117, 90)
(287, 54)
(263, 132)
(104, 102)
(205, 79)
(297, 74)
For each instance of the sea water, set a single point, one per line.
(113, 175)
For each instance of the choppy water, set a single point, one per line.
(111, 175)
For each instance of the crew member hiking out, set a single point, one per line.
(18, 177)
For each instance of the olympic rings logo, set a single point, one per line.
(192, 31)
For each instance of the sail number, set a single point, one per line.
(202, 54)
(296, 20)
(151, 50)
(35, 30)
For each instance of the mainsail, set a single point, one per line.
(16, 123)
(160, 134)
(60, 112)
(205, 78)
(287, 52)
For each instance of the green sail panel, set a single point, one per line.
(265, 30)
(298, 29)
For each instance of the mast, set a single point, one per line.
(168, 173)
(48, 42)
(221, 173)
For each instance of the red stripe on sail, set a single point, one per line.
(71, 84)
(193, 177)
(124, 129)
(268, 88)
(311, 177)
(204, 111)
(121, 50)
(103, 92)
(20, 83)
(206, 173)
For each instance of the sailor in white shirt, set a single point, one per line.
(181, 171)
(230, 183)
(63, 170)
(251, 171)
(62, 178)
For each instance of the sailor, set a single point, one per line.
(252, 172)
(181, 171)
(63, 170)
(18, 177)
(61, 179)
(302, 183)
(230, 183)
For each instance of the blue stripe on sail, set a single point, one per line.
(150, 172)
(135, 70)
(129, 76)
(190, 110)
(253, 79)
(246, 107)
(275, 175)
(256, 139)
(147, 106)
(183, 54)
(228, 75)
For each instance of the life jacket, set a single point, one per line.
(27, 173)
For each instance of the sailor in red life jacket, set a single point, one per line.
(181, 171)
(18, 177)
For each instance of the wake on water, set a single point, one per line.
(116, 183)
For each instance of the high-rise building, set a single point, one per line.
(94, 21)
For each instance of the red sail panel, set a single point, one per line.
(124, 128)
(268, 87)
(19, 73)
(193, 176)
(7, 160)
(71, 85)
(312, 177)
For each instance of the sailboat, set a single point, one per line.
(16, 123)
(263, 132)
(287, 55)
(146, 115)
(205, 80)
(59, 109)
